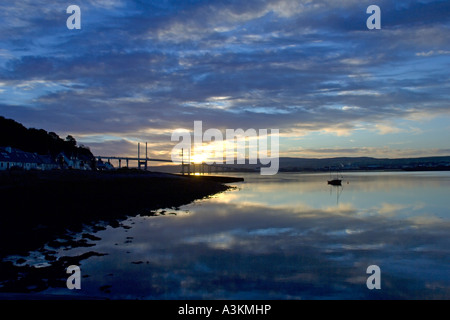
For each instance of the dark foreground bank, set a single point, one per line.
(38, 207)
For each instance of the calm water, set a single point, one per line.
(289, 236)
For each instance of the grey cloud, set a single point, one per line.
(283, 66)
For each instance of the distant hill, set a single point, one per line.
(13, 134)
(287, 164)
(364, 163)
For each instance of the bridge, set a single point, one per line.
(186, 168)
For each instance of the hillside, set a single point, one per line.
(364, 163)
(287, 164)
(13, 134)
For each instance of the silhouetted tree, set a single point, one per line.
(54, 136)
(71, 140)
(14, 134)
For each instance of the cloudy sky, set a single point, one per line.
(138, 70)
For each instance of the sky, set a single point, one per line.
(137, 71)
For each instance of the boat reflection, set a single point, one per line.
(338, 189)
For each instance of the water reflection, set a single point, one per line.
(283, 238)
(337, 190)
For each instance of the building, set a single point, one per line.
(104, 166)
(78, 163)
(12, 158)
(48, 163)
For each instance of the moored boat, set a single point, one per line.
(335, 182)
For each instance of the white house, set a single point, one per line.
(48, 163)
(78, 163)
(14, 158)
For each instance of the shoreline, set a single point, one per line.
(40, 206)
(43, 211)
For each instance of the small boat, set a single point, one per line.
(335, 182)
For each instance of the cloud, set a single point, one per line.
(298, 66)
(387, 129)
(377, 152)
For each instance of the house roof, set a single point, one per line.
(17, 155)
(47, 160)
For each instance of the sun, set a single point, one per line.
(198, 158)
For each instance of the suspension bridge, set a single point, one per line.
(142, 163)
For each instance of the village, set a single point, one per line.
(16, 159)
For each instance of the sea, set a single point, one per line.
(292, 236)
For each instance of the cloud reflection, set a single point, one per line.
(259, 252)
(228, 247)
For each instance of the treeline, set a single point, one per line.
(15, 135)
